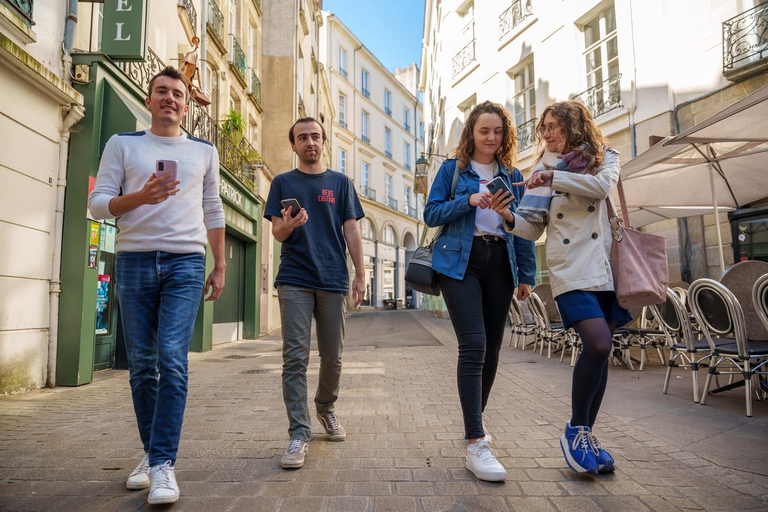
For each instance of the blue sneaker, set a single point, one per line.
(580, 455)
(604, 459)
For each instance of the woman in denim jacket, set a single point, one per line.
(566, 194)
(479, 265)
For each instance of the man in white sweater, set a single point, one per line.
(164, 225)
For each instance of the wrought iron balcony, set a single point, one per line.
(188, 6)
(342, 123)
(388, 153)
(390, 202)
(407, 127)
(254, 88)
(365, 139)
(24, 8)
(516, 13)
(368, 193)
(366, 93)
(236, 56)
(603, 97)
(343, 72)
(412, 212)
(407, 166)
(464, 58)
(215, 20)
(745, 38)
(236, 154)
(388, 111)
(526, 134)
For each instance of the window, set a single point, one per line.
(364, 127)
(407, 200)
(232, 18)
(388, 235)
(366, 229)
(364, 174)
(407, 155)
(388, 185)
(522, 102)
(407, 119)
(388, 102)
(601, 47)
(364, 83)
(342, 161)
(421, 131)
(343, 110)
(342, 62)
(388, 142)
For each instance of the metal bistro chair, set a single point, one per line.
(684, 350)
(550, 333)
(735, 354)
(521, 329)
(644, 334)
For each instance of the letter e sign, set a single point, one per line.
(124, 36)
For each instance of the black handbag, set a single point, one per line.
(419, 274)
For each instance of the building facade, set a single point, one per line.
(375, 138)
(527, 54)
(39, 107)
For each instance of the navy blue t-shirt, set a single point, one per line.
(315, 254)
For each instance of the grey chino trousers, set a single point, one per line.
(297, 307)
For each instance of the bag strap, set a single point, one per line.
(456, 171)
(618, 223)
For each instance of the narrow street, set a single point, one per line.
(71, 449)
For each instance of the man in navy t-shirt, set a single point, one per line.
(313, 279)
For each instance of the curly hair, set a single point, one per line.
(507, 152)
(580, 129)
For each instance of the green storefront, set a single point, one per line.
(89, 333)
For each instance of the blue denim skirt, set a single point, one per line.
(580, 305)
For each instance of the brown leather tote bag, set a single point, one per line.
(638, 261)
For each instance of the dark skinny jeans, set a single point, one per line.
(478, 305)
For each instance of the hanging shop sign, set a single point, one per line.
(124, 33)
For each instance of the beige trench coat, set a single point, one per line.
(578, 231)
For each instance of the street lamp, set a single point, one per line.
(422, 163)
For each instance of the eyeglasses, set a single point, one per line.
(549, 129)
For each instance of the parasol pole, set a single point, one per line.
(717, 216)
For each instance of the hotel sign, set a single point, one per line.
(124, 29)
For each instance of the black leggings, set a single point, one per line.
(478, 305)
(590, 375)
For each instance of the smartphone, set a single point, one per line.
(166, 168)
(497, 184)
(291, 202)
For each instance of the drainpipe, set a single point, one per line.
(203, 42)
(632, 129)
(69, 36)
(74, 114)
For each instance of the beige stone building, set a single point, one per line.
(38, 108)
(376, 137)
(644, 69)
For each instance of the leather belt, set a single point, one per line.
(491, 238)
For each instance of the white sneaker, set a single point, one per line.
(139, 479)
(481, 460)
(164, 488)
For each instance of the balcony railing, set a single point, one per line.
(517, 12)
(407, 165)
(407, 127)
(390, 202)
(388, 111)
(342, 123)
(412, 212)
(24, 8)
(464, 58)
(368, 192)
(365, 139)
(254, 88)
(745, 38)
(603, 97)
(343, 72)
(388, 153)
(366, 93)
(188, 6)
(216, 20)
(526, 134)
(258, 4)
(236, 56)
(235, 153)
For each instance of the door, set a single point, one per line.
(106, 312)
(229, 309)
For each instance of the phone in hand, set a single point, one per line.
(293, 203)
(166, 168)
(497, 184)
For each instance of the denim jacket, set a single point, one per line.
(452, 248)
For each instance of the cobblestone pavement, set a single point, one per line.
(72, 448)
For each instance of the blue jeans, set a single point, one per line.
(478, 305)
(159, 294)
(297, 307)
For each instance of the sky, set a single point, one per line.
(390, 29)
